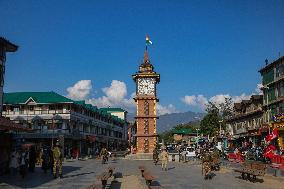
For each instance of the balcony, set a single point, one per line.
(35, 112)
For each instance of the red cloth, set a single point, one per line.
(274, 134)
(269, 151)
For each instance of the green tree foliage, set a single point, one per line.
(216, 117)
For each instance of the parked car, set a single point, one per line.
(190, 152)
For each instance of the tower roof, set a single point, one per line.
(146, 65)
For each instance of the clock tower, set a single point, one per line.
(146, 100)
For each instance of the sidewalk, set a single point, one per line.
(128, 182)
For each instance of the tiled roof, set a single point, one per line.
(38, 97)
(52, 97)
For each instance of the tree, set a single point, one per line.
(209, 124)
(216, 116)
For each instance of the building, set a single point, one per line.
(273, 95)
(118, 112)
(246, 122)
(53, 116)
(6, 126)
(185, 136)
(5, 46)
(146, 100)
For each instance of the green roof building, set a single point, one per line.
(118, 112)
(50, 115)
(185, 135)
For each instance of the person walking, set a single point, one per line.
(104, 154)
(51, 161)
(57, 161)
(32, 159)
(14, 164)
(206, 164)
(45, 160)
(164, 159)
(23, 163)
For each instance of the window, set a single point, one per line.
(281, 107)
(268, 77)
(280, 70)
(146, 107)
(280, 89)
(51, 107)
(273, 110)
(16, 109)
(271, 94)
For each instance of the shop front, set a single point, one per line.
(278, 123)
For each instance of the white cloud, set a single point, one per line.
(117, 91)
(241, 97)
(114, 95)
(200, 101)
(220, 98)
(80, 90)
(161, 110)
(258, 89)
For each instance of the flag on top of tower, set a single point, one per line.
(148, 41)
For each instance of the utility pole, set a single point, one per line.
(52, 130)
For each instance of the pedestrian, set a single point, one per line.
(51, 161)
(206, 164)
(32, 159)
(23, 163)
(57, 161)
(45, 160)
(14, 164)
(164, 159)
(103, 155)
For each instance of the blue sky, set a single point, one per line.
(206, 48)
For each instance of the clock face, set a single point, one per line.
(146, 86)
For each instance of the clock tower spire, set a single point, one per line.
(146, 100)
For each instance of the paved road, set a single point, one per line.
(80, 174)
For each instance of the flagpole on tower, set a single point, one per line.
(148, 42)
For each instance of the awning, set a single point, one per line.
(8, 125)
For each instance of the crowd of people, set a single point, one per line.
(24, 160)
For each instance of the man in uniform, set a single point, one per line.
(164, 159)
(104, 155)
(215, 155)
(57, 159)
(206, 164)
